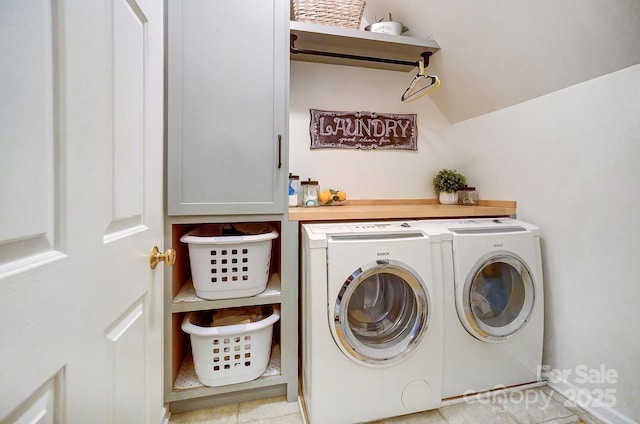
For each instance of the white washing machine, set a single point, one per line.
(493, 304)
(371, 321)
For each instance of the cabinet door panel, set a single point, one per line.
(226, 105)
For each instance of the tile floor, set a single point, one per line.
(533, 406)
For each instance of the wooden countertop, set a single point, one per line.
(401, 209)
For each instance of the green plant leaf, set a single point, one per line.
(448, 180)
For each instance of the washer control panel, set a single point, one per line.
(379, 226)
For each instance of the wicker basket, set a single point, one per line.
(340, 13)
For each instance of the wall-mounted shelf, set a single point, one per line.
(395, 52)
(401, 209)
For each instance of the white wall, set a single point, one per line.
(364, 174)
(498, 53)
(570, 160)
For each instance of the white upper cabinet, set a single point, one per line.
(227, 75)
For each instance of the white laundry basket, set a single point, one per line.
(230, 260)
(229, 354)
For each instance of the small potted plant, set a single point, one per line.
(446, 184)
(387, 27)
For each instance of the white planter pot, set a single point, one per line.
(394, 28)
(448, 198)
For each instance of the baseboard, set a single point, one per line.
(584, 399)
(165, 415)
(303, 409)
(488, 393)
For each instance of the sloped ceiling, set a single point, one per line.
(497, 53)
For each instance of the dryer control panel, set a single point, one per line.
(318, 233)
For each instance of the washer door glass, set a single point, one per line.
(498, 297)
(381, 313)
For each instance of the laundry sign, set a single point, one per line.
(363, 130)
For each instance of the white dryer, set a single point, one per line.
(494, 306)
(371, 322)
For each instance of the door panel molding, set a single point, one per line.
(130, 79)
(127, 362)
(30, 164)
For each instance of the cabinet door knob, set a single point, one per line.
(169, 257)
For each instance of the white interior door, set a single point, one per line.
(81, 135)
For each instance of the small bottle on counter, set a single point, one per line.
(310, 191)
(294, 190)
(468, 196)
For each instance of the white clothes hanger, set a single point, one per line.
(412, 93)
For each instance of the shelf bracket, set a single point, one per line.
(294, 50)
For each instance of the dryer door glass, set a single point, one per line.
(499, 296)
(381, 313)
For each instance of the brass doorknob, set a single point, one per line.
(169, 257)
